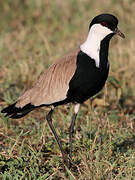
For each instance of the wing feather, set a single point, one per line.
(53, 84)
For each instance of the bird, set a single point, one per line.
(72, 79)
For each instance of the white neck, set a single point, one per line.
(91, 46)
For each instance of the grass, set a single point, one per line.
(33, 33)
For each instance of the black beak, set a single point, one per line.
(117, 31)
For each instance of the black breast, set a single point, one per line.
(87, 80)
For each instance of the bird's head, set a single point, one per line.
(105, 24)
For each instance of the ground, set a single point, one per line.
(34, 33)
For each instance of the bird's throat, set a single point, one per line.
(91, 47)
(97, 43)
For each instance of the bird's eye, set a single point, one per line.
(103, 23)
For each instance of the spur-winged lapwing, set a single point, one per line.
(74, 78)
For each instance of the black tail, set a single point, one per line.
(14, 112)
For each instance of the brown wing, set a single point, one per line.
(53, 84)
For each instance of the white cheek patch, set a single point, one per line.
(92, 44)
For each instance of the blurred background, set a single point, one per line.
(33, 34)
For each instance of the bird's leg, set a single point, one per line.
(71, 131)
(49, 120)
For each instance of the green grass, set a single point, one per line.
(34, 33)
